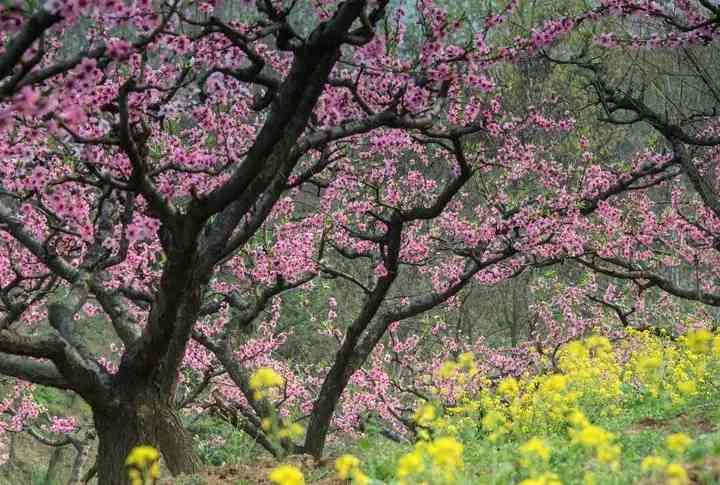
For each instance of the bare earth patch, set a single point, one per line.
(699, 423)
(706, 471)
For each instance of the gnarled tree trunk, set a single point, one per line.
(141, 422)
(324, 409)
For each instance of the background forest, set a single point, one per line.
(370, 241)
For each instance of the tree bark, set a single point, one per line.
(81, 457)
(11, 449)
(323, 410)
(52, 475)
(141, 422)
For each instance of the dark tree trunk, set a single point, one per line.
(148, 422)
(11, 449)
(323, 410)
(52, 475)
(81, 458)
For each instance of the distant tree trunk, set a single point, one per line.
(518, 313)
(513, 332)
(11, 448)
(52, 476)
(141, 422)
(509, 317)
(83, 452)
(324, 408)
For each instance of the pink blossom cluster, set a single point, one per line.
(63, 425)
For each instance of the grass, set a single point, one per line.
(641, 429)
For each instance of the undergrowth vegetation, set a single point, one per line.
(640, 409)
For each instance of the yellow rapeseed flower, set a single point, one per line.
(424, 415)
(678, 442)
(556, 383)
(608, 454)
(599, 343)
(536, 447)
(264, 378)
(649, 363)
(447, 369)
(493, 420)
(577, 419)
(446, 452)
(144, 465)
(653, 463)
(141, 456)
(467, 360)
(286, 475)
(293, 430)
(676, 474)
(410, 464)
(345, 465)
(508, 387)
(359, 478)
(544, 479)
(687, 387)
(699, 341)
(576, 350)
(592, 436)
